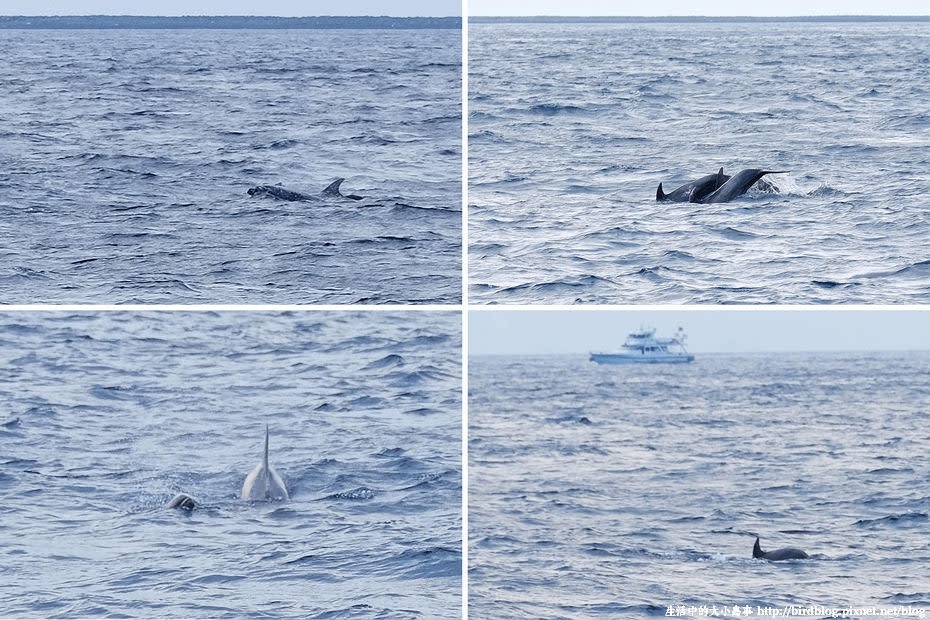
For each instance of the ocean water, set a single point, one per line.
(125, 156)
(606, 491)
(573, 126)
(107, 415)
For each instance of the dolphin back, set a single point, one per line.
(277, 192)
(264, 483)
(696, 190)
(787, 553)
(333, 188)
(738, 184)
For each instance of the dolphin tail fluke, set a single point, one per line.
(660, 195)
(265, 461)
(333, 188)
(762, 173)
(756, 549)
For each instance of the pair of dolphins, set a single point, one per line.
(716, 187)
(263, 484)
(274, 191)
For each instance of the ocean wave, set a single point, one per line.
(910, 519)
(388, 361)
(553, 109)
(357, 494)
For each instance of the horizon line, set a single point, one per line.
(470, 354)
(230, 22)
(884, 16)
(892, 16)
(195, 16)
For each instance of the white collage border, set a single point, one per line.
(463, 307)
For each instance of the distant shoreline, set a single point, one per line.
(671, 19)
(229, 22)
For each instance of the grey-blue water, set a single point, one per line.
(125, 156)
(604, 491)
(573, 126)
(106, 416)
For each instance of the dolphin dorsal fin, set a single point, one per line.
(720, 180)
(265, 460)
(333, 188)
(660, 195)
(756, 549)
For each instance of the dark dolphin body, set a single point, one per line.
(701, 188)
(788, 553)
(331, 191)
(183, 500)
(278, 192)
(736, 186)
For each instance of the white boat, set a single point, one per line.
(642, 347)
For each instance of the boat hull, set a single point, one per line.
(624, 358)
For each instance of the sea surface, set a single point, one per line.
(125, 156)
(106, 416)
(607, 491)
(573, 126)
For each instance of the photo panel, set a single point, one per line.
(696, 159)
(233, 160)
(698, 463)
(231, 464)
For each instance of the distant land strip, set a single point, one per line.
(104, 22)
(683, 19)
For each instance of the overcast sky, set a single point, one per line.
(281, 8)
(704, 7)
(713, 330)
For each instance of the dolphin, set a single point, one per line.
(331, 191)
(788, 553)
(264, 483)
(183, 500)
(736, 186)
(700, 188)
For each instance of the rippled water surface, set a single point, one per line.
(600, 491)
(125, 156)
(106, 416)
(573, 126)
